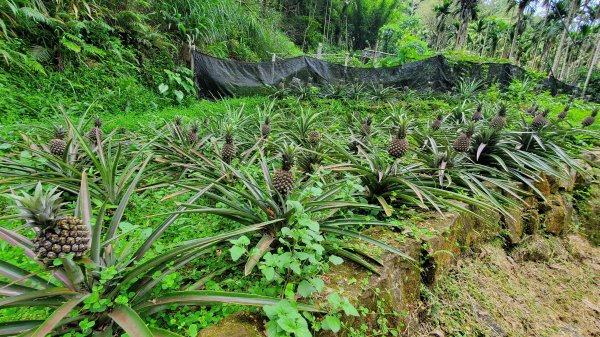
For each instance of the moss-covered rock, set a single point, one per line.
(395, 290)
(238, 325)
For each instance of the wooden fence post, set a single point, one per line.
(319, 51)
(347, 60)
(374, 59)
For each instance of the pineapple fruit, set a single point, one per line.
(229, 150)
(58, 145)
(399, 144)
(463, 142)
(96, 133)
(589, 120)
(265, 129)
(192, 135)
(499, 121)
(563, 113)
(478, 114)
(437, 123)
(540, 120)
(314, 137)
(57, 234)
(283, 180)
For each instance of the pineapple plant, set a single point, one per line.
(283, 180)
(57, 234)
(314, 137)
(478, 114)
(265, 129)
(499, 121)
(563, 113)
(365, 128)
(462, 143)
(399, 144)
(228, 151)
(192, 135)
(540, 119)
(533, 110)
(589, 120)
(58, 145)
(96, 133)
(437, 123)
(177, 123)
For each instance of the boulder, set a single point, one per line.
(535, 249)
(514, 224)
(531, 216)
(543, 185)
(395, 290)
(557, 218)
(441, 249)
(237, 325)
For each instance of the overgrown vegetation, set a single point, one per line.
(130, 208)
(251, 201)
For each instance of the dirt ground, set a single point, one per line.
(545, 287)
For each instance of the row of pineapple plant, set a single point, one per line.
(396, 163)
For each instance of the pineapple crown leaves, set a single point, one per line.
(97, 122)
(469, 129)
(546, 112)
(177, 120)
(403, 124)
(502, 110)
(440, 117)
(594, 112)
(41, 209)
(195, 127)
(59, 131)
(288, 153)
(229, 130)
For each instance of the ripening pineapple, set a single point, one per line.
(589, 120)
(265, 129)
(399, 145)
(229, 150)
(58, 145)
(437, 123)
(540, 120)
(192, 135)
(563, 113)
(478, 114)
(96, 133)
(365, 128)
(283, 180)
(463, 142)
(314, 137)
(499, 121)
(57, 234)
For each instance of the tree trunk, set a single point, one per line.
(487, 32)
(592, 64)
(557, 56)
(565, 59)
(513, 44)
(461, 34)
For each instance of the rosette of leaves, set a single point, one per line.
(255, 204)
(113, 287)
(406, 184)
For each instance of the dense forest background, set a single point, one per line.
(126, 46)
